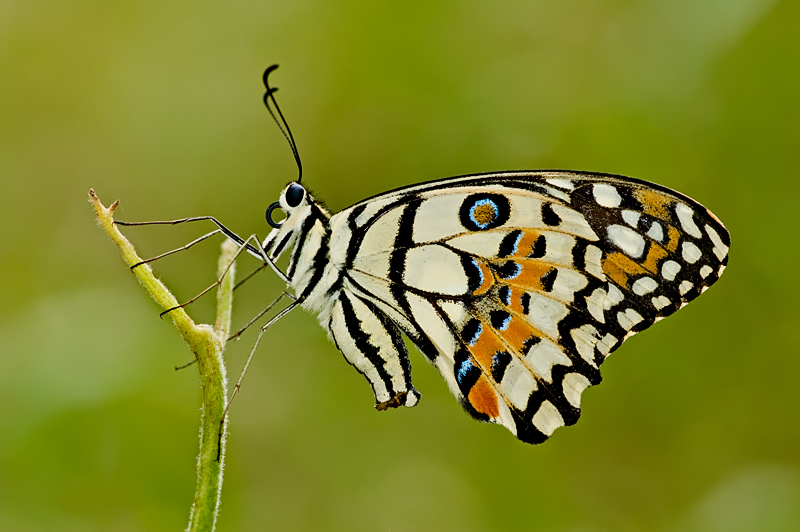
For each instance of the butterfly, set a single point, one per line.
(516, 286)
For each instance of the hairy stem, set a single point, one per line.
(208, 345)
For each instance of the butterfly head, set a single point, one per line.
(302, 211)
(293, 198)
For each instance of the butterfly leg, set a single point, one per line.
(182, 248)
(374, 346)
(255, 251)
(218, 281)
(238, 333)
(238, 385)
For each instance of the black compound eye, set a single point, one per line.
(294, 195)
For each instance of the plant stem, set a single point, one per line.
(214, 384)
(208, 345)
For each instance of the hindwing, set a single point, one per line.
(518, 285)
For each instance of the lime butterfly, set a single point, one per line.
(515, 285)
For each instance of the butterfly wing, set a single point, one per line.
(518, 285)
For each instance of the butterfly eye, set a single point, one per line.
(294, 195)
(270, 210)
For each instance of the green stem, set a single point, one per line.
(214, 384)
(208, 345)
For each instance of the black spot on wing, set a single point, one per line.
(508, 246)
(539, 248)
(549, 217)
(473, 272)
(530, 342)
(471, 331)
(466, 372)
(549, 279)
(403, 241)
(525, 300)
(500, 319)
(484, 211)
(504, 293)
(508, 270)
(500, 362)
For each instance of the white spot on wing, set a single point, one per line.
(547, 419)
(412, 399)
(482, 243)
(517, 384)
(438, 217)
(573, 222)
(705, 271)
(556, 193)
(660, 302)
(631, 217)
(601, 300)
(606, 195)
(558, 248)
(670, 269)
(643, 286)
(606, 343)
(594, 303)
(574, 384)
(436, 269)
(629, 241)
(567, 283)
(455, 310)
(593, 260)
(432, 324)
(720, 249)
(656, 232)
(543, 356)
(685, 217)
(545, 314)
(690, 252)
(561, 183)
(585, 338)
(685, 286)
(613, 297)
(628, 319)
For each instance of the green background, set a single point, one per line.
(157, 104)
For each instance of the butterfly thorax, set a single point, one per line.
(313, 272)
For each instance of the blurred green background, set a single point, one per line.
(695, 427)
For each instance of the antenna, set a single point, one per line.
(282, 124)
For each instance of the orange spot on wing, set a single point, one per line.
(488, 278)
(511, 339)
(484, 214)
(525, 245)
(654, 256)
(516, 303)
(654, 203)
(673, 236)
(619, 267)
(531, 274)
(487, 345)
(483, 399)
(518, 331)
